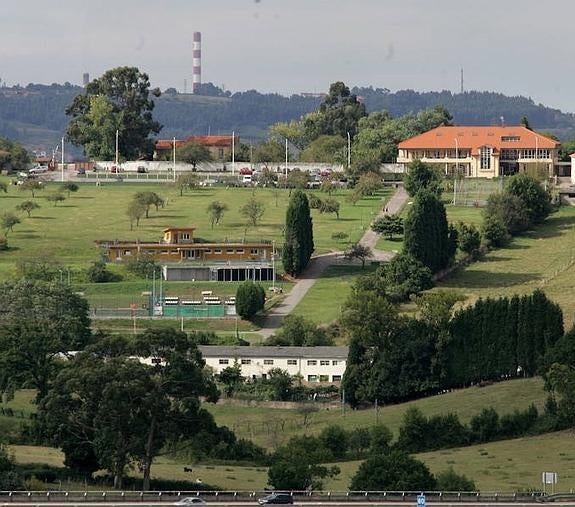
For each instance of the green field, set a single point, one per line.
(322, 304)
(543, 258)
(271, 427)
(502, 466)
(66, 233)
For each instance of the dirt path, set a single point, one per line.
(318, 265)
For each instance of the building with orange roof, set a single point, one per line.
(220, 146)
(482, 152)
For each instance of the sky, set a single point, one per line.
(515, 47)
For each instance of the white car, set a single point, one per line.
(191, 500)
(39, 169)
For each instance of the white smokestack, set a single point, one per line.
(197, 62)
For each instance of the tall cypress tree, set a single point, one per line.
(298, 245)
(426, 235)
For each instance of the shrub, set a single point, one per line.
(450, 481)
(494, 232)
(98, 273)
(143, 266)
(250, 299)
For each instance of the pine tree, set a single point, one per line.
(298, 245)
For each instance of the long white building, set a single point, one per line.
(313, 364)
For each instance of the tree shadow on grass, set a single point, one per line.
(37, 217)
(486, 279)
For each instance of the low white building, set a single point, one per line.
(313, 364)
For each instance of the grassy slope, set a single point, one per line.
(505, 397)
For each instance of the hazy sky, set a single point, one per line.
(516, 47)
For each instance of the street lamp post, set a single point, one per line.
(62, 170)
(174, 157)
(233, 152)
(274, 266)
(117, 133)
(348, 151)
(286, 168)
(456, 169)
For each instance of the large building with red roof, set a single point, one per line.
(482, 152)
(220, 146)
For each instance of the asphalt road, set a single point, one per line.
(406, 503)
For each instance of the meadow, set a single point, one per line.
(500, 466)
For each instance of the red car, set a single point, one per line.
(245, 170)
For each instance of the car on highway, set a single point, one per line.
(191, 500)
(276, 498)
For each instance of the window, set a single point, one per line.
(324, 363)
(208, 250)
(221, 152)
(254, 251)
(224, 361)
(127, 252)
(185, 235)
(246, 361)
(312, 378)
(311, 362)
(336, 378)
(510, 138)
(268, 361)
(165, 252)
(240, 251)
(335, 363)
(230, 251)
(218, 251)
(324, 378)
(485, 157)
(292, 362)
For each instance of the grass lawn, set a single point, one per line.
(544, 258)
(272, 427)
(264, 425)
(322, 304)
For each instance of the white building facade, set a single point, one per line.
(312, 364)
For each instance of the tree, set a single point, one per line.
(39, 323)
(8, 221)
(358, 251)
(536, 199)
(330, 205)
(448, 480)
(13, 156)
(297, 474)
(296, 331)
(216, 210)
(192, 153)
(494, 232)
(508, 209)
(338, 114)
(419, 176)
(426, 234)
(253, 211)
(136, 210)
(269, 151)
(69, 187)
(125, 410)
(231, 377)
(298, 244)
(32, 186)
(250, 299)
(148, 199)
(186, 181)
(56, 198)
(335, 439)
(395, 471)
(9, 477)
(27, 206)
(328, 149)
(403, 276)
(3, 187)
(468, 238)
(98, 273)
(388, 225)
(119, 101)
(367, 184)
(297, 179)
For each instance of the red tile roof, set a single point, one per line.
(472, 138)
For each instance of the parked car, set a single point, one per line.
(245, 170)
(191, 500)
(81, 171)
(40, 169)
(276, 498)
(115, 169)
(142, 169)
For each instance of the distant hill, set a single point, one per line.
(35, 115)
